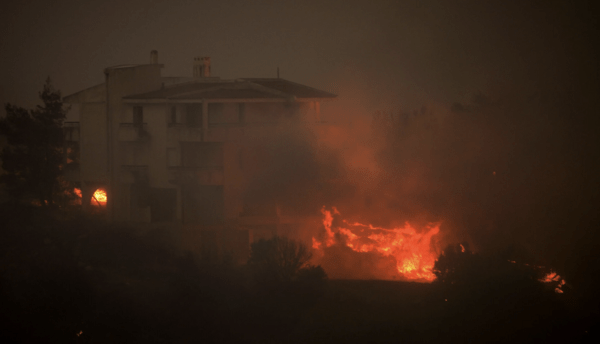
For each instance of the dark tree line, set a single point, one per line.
(33, 159)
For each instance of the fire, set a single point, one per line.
(99, 198)
(77, 194)
(554, 277)
(411, 249)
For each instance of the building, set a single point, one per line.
(169, 150)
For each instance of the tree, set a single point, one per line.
(33, 158)
(279, 258)
(282, 263)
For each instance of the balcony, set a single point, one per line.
(131, 132)
(71, 130)
(196, 175)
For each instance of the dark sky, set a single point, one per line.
(390, 54)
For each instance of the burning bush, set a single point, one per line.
(349, 249)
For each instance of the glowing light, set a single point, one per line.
(554, 277)
(99, 198)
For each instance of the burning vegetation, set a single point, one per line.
(412, 252)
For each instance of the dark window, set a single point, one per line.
(138, 117)
(193, 116)
(215, 113)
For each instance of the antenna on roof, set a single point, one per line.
(277, 72)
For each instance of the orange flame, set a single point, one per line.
(99, 198)
(411, 249)
(554, 277)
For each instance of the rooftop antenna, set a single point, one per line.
(277, 72)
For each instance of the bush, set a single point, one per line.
(280, 260)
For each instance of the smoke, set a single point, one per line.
(498, 171)
(292, 169)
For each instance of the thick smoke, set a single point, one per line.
(502, 171)
(291, 169)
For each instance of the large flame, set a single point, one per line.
(412, 250)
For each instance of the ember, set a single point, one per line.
(412, 250)
(554, 277)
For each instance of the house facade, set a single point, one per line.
(170, 151)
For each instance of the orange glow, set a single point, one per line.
(554, 277)
(411, 249)
(77, 192)
(99, 198)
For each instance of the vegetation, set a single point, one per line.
(33, 159)
(282, 260)
(82, 280)
(497, 292)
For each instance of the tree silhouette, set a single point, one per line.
(279, 259)
(33, 158)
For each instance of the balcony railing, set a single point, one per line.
(133, 132)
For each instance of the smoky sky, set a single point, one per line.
(498, 86)
(391, 53)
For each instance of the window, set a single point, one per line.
(193, 115)
(215, 113)
(138, 117)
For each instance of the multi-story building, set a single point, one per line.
(170, 150)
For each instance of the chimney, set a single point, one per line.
(201, 67)
(154, 57)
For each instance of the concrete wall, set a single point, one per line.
(121, 82)
(93, 148)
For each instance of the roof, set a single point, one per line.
(289, 87)
(235, 89)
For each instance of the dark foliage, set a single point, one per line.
(279, 259)
(84, 281)
(33, 158)
(494, 295)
